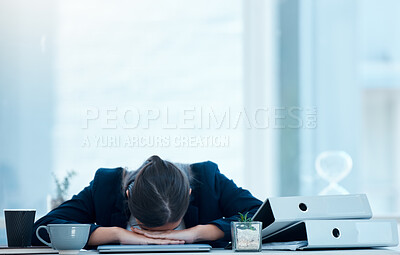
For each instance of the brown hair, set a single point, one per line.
(158, 192)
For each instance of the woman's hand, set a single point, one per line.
(187, 235)
(191, 235)
(105, 235)
(128, 237)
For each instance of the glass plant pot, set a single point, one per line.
(246, 236)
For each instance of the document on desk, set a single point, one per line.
(324, 234)
(285, 246)
(29, 250)
(280, 212)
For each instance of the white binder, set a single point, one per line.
(322, 234)
(280, 212)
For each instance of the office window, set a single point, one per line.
(152, 68)
(106, 84)
(348, 69)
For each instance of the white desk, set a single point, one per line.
(327, 252)
(395, 251)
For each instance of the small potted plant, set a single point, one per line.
(246, 234)
(62, 187)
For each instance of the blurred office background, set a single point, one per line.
(312, 76)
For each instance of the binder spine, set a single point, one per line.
(351, 233)
(321, 207)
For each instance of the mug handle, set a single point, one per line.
(38, 236)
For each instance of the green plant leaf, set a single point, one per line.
(244, 218)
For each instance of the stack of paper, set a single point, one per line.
(342, 221)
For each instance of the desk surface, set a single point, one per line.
(394, 251)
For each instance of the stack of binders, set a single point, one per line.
(323, 222)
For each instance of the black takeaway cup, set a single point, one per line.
(19, 226)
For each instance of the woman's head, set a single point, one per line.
(159, 194)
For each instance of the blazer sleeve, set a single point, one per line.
(232, 200)
(79, 209)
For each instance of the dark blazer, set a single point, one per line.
(214, 200)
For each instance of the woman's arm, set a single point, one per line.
(106, 235)
(208, 232)
(231, 198)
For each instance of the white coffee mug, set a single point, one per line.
(66, 238)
